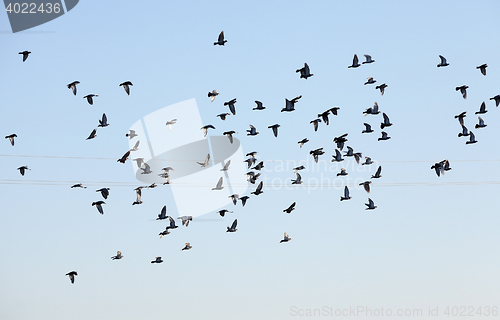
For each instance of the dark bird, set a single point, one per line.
(11, 138)
(482, 109)
(346, 194)
(497, 99)
(316, 153)
(233, 226)
(461, 117)
(464, 132)
(368, 161)
(78, 185)
(334, 110)
(212, 95)
(98, 205)
(164, 233)
(298, 179)
(234, 198)
(438, 168)
(377, 174)
(90, 98)
(157, 260)
(337, 157)
(384, 136)
(275, 129)
(250, 162)
(124, 158)
(372, 110)
(305, 72)
(187, 246)
(72, 275)
(446, 165)
(244, 200)
(480, 124)
(251, 154)
(340, 141)
(315, 123)
(443, 62)
(298, 168)
(259, 106)
(323, 116)
(172, 224)
(220, 40)
(302, 142)
(343, 172)
(370, 80)
(163, 214)
(368, 59)
(252, 177)
(472, 138)
(229, 135)
(131, 134)
(126, 86)
(252, 131)
(366, 185)
(72, 86)
(381, 88)
(355, 62)
(463, 90)
(259, 189)
(25, 54)
(370, 205)
(205, 129)
(223, 212)
(259, 166)
(483, 68)
(368, 128)
(223, 116)
(104, 192)
(104, 121)
(92, 134)
(118, 256)
(386, 123)
(290, 208)
(286, 238)
(290, 104)
(230, 104)
(23, 169)
(138, 194)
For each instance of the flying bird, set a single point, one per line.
(230, 104)
(205, 129)
(259, 189)
(368, 161)
(290, 208)
(78, 185)
(497, 99)
(259, 106)
(126, 86)
(185, 220)
(275, 129)
(170, 124)
(480, 124)
(464, 132)
(220, 40)
(286, 238)
(206, 162)
(324, 116)
(104, 192)
(163, 214)
(472, 138)
(252, 131)
(234, 198)
(368, 128)
(146, 169)
(483, 68)
(370, 205)
(355, 62)
(343, 172)
(381, 88)
(482, 109)
(212, 95)
(386, 123)
(346, 194)
(136, 146)
(72, 86)
(463, 90)
(187, 246)
(304, 72)
(298, 168)
(11, 138)
(226, 166)
(104, 121)
(337, 157)
(131, 134)
(370, 80)
(259, 166)
(316, 153)
(72, 275)
(302, 142)
(290, 104)
(229, 135)
(219, 185)
(157, 260)
(372, 110)
(233, 226)
(23, 169)
(384, 136)
(298, 179)
(172, 224)
(244, 200)
(223, 212)
(92, 135)
(118, 256)
(461, 117)
(315, 123)
(98, 205)
(340, 141)
(443, 62)
(377, 174)
(164, 233)
(90, 98)
(366, 185)
(223, 116)
(139, 161)
(368, 59)
(25, 54)
(124, 158)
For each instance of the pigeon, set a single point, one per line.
(316, 153)
(381, 88)
(219, 185)
(163, 214)
(126, 86)
(366, 185)
(25, 54)
(223, 212)
(298, 168)
(464, 132)
(230, 104)
(139, 161)
(170, 124)
(315, 123)
(368, 128)
(72, 86)
(152, 186)
(259, 106)
(223, 116)
(286, 238)
(92, 135)
(252, 177)
(368, 161)
(78, 185)
(185, 220)
(443, 62)
(349, 152)
(340, 141)
(187, 246)
(337, 157)
(252, 131)
(124, 158)
(233, 226)
(297, 180)
(259, 166)
(252, 154)
(164, 233)
(302, 142)
(172, 224)
(377, 174)
(104, 192)
(244, 200)
(372, 110)
(446, 165)
(131, 134)
(234, 198)
(355, 62)
(72, 275)
(98, 205)
(146, 169)
(138, 200)
(334, 110)
(259, 189)
(370, 205)
(368, 59)
(480, 124)
(290, 208)
(343, 172)
(212, 95)
(104, 121)
(157, 260)
(226, 166)
(497, 99)
(463, 90)
(220, 40)
(136, 146)
(472, 138)
(275, 129)
(386, 123)
(438, 168)
(482, 109)
(118, 256)
(23, 169)
(461, 117)
(11, 138)
(370, 81)
(250, 162)
(290, 104)
(206, 162)
(346, 194)
(324, 116)
(90, 98)
(483, 68)
(304, 72)
(205, 129)
(384, 136)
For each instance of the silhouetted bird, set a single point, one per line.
(368, 59)
(366, 185)
(480, 124)
(368, 128)
(259, 189)
(118, 256)
(126, 86)
(233, 226)
(483, 68)
(461, 117)
(302, 142)
(370, 205)
(223, 116)
(72, 275)
(443, 62)
(92, 135)
(305, 72)
(259, 106)
(187, 246)
(290, 104)
(384, 136)
(104, 121)
(472, 138)
(212, 95)
(346, 194)
(482, 109)
(90, 98)
(497, 99)
(11, 138)
(386, 123)
(229, 135)
(124, 158)
(104, 192)
(230, 104)
(286, 238)
(464, 132)
(25, 54)
(370, 80)
(252, 131)
(381, 88)
(220, 40)
(163, 214)
(157, 260)
(463, 90)
(355, 62)
(290, 208)
(372, 110)
(72, 86)
(23, 169)
(377, 174)
(275, 129)
(98, 205)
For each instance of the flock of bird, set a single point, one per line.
(252, 162)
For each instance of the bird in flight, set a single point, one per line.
(219, 185)
(472, 138)
(92, 134)
(482, 109)
(368, 128)
(104, 192)
(290, 208)
(25, 54)
(230, 104)
(252, 131)
(302, 142)
(368, 59)
(212, 95)
(90, 98)
(226, 166)
(206, 162)
(23, 169)
(124, 158)
(275, 129)
(72, 86)
(370, 205)
(233, 226)
(78, 185)
(163, 214)
(286, 238)
(187, 246)
(381, 88)
(72, 275)
(482, 68)
(229, 135)
(343, 172)
(355, 62)
(11, 138)
(223, 212)
(480, 124)
(346, 194)
(220, 40)
(304, 72)
(366, 185)
(205, 129)
(259, 106)
(138, 194)
(259, 189)
(131, 134)
(377, 174)
(126, 86)
(104, 121)
(372, 110)
(497, 99)
(386, 123)
(157, 260)
(290, 104)
(463, 90)
(185, 220)
(384, 136)
(118, 256)
(370, 80)
(98, 205)
(443, 62)
(298, 179)
(223, 116)
(315, 124)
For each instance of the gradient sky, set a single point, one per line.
(431, 242)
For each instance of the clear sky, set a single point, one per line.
(431, 242)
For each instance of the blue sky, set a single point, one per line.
(431, 242)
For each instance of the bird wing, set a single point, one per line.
(346, 192)
(137, 145)
(219, 183)
(163, 212)
(443, 59)
(386, 119)
(235, 222)
(355, 60)
(221, 36)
